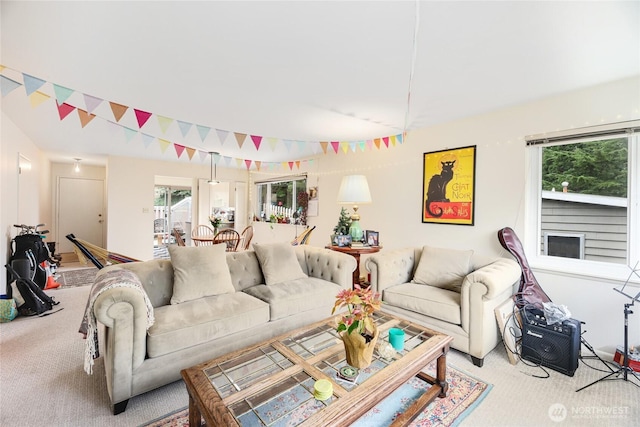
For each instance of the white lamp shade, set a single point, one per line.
(354, 189)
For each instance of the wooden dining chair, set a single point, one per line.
(202, 231)
(229, 236)
(245, 237)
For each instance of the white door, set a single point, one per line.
(80, 212)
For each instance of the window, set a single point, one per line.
(583, 193)
(282, 200)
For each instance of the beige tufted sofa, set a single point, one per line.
(183, 335)
(460, 305)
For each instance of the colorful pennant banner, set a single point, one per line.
(62, 94)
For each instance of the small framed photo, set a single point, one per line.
(344, 240)
(371, 237)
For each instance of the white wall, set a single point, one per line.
(27, 194)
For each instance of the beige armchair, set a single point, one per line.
(453, 292)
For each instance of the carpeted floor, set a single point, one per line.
(465, 393)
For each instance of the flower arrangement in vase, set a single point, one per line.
(215, 222)
(356, 326)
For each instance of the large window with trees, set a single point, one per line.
(583, 195)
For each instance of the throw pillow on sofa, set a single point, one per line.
(199, 271)
(278, 262)
(443, 268)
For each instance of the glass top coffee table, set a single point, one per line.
(272, 383)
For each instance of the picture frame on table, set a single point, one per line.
(344, 240)
(371, 237)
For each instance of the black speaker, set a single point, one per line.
(555, 346)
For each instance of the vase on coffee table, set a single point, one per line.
(359, 348)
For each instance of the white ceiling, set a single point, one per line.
(298, 71)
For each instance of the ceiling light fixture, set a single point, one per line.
(212, 180)
(76, 167)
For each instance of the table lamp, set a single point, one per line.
(354, 189)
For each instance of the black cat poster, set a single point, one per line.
(448, 187)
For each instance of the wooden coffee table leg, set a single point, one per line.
(195, 418)
(441, 375)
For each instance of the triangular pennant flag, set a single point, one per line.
(238, 163)
(118, 110)
(85, 117)
(142, 117)
(273, 142)
(290, 165)
(298, 164)
(386, 141)
(258, 163)
(129, 133)
(217, 157)
(287, 143)
(91, 102)
(345, 146)
(184, 127)
(31, 84)
(203, 131)
(283, 165)
(301, 145)
(257, 140)
(37, 98)
(362, 145)
(62, 93)
(164, 123)
(7, 85)
(335, 145)
(147, 140)
(227, 160)
(240, 137)
(393, 140)
(400, 138)
(179, 149)
(248, 164)
(377, 142)
(64, 109)
(222, 135)
(164, 144)
(203, 155)
(369, 144)
(191, 152)
(353, 145)
(324, 146)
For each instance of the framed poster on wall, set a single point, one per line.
(448, 186)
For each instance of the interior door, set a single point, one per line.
(80, 211)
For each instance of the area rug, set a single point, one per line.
(465, 394)
(75, 278)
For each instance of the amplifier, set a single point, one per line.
(555, 346)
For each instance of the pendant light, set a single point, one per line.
(212, 180)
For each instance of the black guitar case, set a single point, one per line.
(530, 292)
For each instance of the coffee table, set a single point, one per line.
(271, 383)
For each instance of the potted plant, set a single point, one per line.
(342, 228)
(356, 326)
(215, 223)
